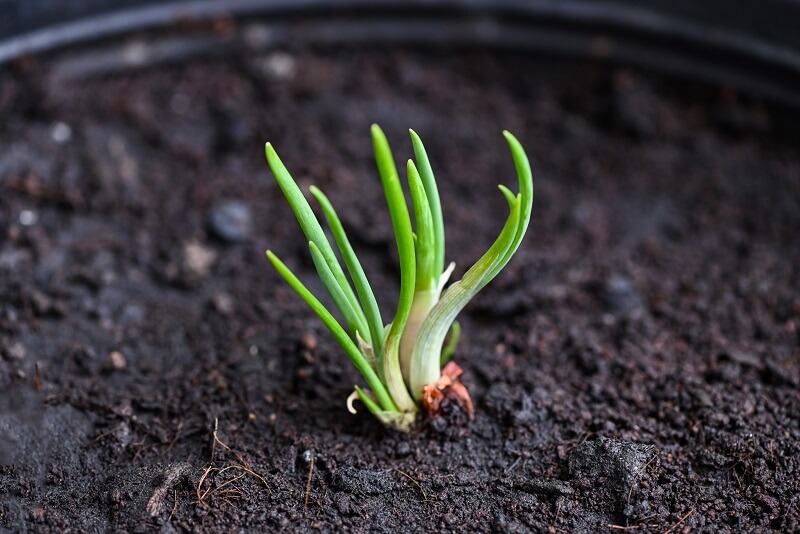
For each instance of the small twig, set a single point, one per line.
(558, 512)
(201, 496)
(174, 505)
(101, 436)
(409, 477)
(219, 442)
(140, 446)
(249, 472)
(642, 524)
(222, 491)
(308, 482)
(513, 465)
(214, 439)
(221, 486)
(37, 377)
(681, 520)
(200, 484)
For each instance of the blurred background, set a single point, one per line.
(753, 45)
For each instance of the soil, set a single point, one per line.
(635, 366)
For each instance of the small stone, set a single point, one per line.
(117, 360)
(343, 503)
(309, 342)
(16, 351)
(28, 217)
(278, 66)
(45, 306)
(198, 259)
(621, 296)
(61, 133)
(403, 449)
(231, 221)
(222, 303)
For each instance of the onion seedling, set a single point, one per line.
(402, 361)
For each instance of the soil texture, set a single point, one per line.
(635, 367)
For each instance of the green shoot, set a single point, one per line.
(400, 359)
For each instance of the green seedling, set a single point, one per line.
(402, 360)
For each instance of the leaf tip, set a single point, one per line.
(272, 155)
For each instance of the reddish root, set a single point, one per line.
(448, 387)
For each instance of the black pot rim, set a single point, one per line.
(663, 39)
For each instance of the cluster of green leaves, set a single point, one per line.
(399, 358)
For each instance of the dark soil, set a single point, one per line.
(635, 366)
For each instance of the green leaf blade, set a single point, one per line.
(363, 289)
(432, 194)
(426, 357)
(313, 230)
(371, 377)
(428, 349)
(401, 222)
(425, 245)
(525, 181)
(335, 290)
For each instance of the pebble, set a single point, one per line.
(231, 221)
(278, 66)
(28, 217)
(198, 259)
(223, 303)
(61, 133)
(621, 296)
(117, 360)
(16, 351)
(309, 342)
